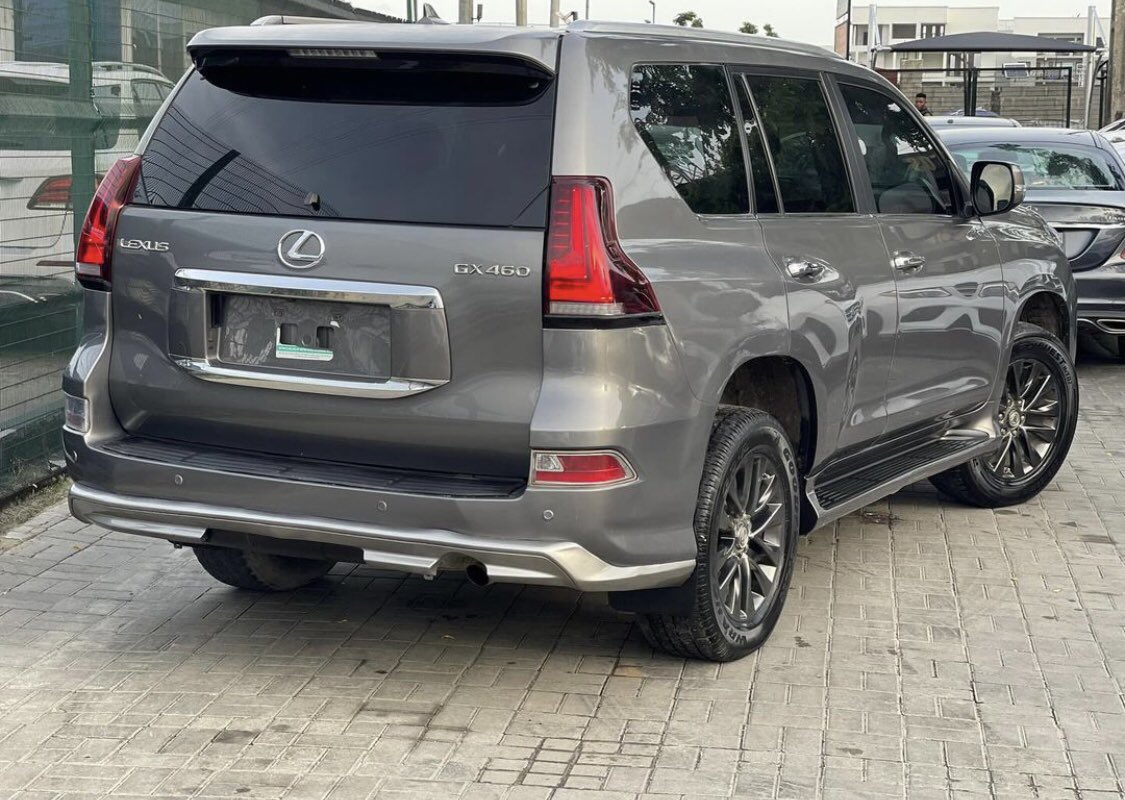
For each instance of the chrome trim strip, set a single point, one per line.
(385, 389)
(424, 551)
(398, 296)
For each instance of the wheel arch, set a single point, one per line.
(1048, 310)
(782, 387)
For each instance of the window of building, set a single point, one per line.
(904, 30)
(907, 175)
(860, 36)
(932, 29)
(685, 117)
(804, 143)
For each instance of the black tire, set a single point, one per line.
(711, 631)
(260, 572)
(991, 481)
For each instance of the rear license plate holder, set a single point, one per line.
(320, 337)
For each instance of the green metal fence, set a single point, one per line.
(79, 82)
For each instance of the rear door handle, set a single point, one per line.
(805, 269)
(905, 261)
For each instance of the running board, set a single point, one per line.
(836, 495)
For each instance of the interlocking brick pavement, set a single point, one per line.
(927, 651)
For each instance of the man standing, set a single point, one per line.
(920, 104)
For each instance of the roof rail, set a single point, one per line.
(289, 19)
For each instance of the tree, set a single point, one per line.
(752, 29)
(688, 19)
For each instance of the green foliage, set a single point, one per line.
(752, 29)
(687, 19)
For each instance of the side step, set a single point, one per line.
(835, 493)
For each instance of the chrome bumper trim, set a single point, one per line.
(425, 552)
(386, 389)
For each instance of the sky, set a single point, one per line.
(809, 21)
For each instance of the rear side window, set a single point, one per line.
(806, 150)
(685, 116)
(765, 197)
(399, 137)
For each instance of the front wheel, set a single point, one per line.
(746, 529)
(1037, 418)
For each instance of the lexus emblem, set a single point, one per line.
(300, 249)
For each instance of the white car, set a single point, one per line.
(962, 121)
(38, 119)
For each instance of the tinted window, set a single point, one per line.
(685, 116)
(146, 92)
(402, 138)
(806, 150)
(907, 174)
(1049, 166)
(765, 197)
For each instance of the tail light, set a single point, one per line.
(588, 274)
(578, 469)
(54, 194)
(95, 243)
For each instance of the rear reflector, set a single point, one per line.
(602, 468)
(95, 244)
(588, 274)
(77, 413)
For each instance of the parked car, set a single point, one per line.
(961, 121)
(1076, 180)
(1113, 127)
(618, 307)
(40, 120)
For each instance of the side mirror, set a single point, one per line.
(996, 187)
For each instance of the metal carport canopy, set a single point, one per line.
(991, 42)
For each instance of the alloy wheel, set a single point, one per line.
(1030, 419)
(749, 549)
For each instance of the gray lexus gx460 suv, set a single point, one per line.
(622, 308)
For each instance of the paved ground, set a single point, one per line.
(927, 651)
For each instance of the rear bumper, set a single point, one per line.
(1101, 298)
(426, 552)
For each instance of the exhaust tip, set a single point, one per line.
(477, 574)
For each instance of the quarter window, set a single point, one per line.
(807, 157)
(907, 174)
(685, 117)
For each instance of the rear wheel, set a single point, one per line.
(261, 572)
(746, 528)
(1037, 418)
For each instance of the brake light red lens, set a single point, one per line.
(588, 274)
(95, 243)
(579, 469)
(53, 194)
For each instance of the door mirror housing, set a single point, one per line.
(996, 187)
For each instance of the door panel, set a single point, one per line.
(840, 287)
(842, 321)
(950, 318)
(947, 268)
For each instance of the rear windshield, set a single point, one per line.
(1047, 165)
(400, 137)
